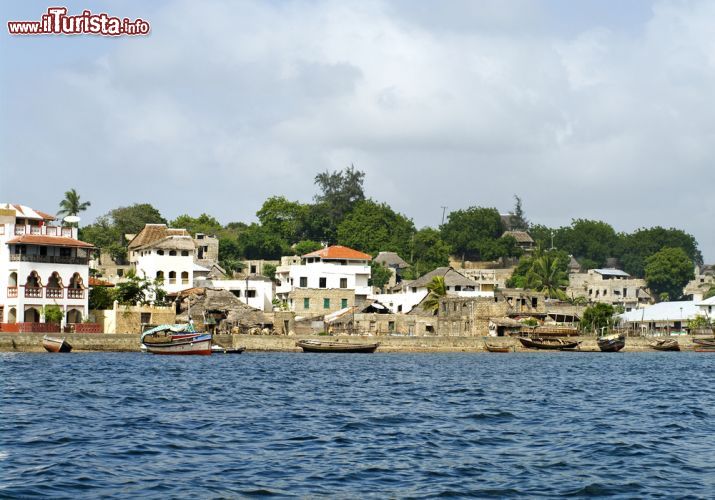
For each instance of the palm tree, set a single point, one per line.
(437, 289)
(546, 276)
(71, 205)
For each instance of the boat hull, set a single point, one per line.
(548, 344)
(611, 344)
(337, 347)
(52, 344)
(666, 345)
(197, 345)
(498, 348)
(217, 349)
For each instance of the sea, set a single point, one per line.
(467, 425)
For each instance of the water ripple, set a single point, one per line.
(390, 425)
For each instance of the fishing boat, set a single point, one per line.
(611, 343)
(548, 343)
(176, 339)
(666, 345)
(705, 342)
(218, 349)
(498, 348)
(318, 346)
(53, 344)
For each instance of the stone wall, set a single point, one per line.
(129, 319)
(317, 297)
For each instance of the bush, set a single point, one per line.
(53, 314)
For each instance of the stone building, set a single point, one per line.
(609, 286)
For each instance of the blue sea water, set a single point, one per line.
(627, 425)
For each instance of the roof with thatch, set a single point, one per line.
(391, 259)
(451, 278)
(237, 313)
(519, 236)
(153, 233)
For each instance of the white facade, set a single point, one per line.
(40, 265)
(400, 302)
(255, 292)
(330, 268)
(174, 266)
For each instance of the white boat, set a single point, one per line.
(176, 339)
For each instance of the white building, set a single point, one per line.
(610, 286)
(325, 281)
(706, 308)
(159, 252)
(254, 290)
(663, 317)
(41, 264)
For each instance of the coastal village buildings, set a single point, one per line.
(523, 240)
(166, 254)
(41, 264)
(324, 281)
(661, 318)
(609, 286)
(701, 284)
(253, 290)
(396, 265)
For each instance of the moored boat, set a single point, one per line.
(666, 345)
(548, 343)
(611, 343)
(53, 344)
(217, 349)
(498, 348)
(342, 347)
(705, 342)
(176, 339)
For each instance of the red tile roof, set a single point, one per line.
(98, 282)
(55, 241)
(339, 252)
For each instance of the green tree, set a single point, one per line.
(588, 239)
(306, 246)
(283, 218)
(596, 317)
(71, 204)
(339, 191)
(428, 253)
(258, 243)
(53, 313)
(548, 275)
(636, 247)
(102, 233)
(374, 227)
(132, 219)
(437, 289)
(269, 271)
(709, 293)
(100, 298)
(668, 271)
(204, 223)
(379, 275)
(469, 232)
(517, 218)
(136, 289)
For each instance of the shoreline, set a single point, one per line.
(100, 342)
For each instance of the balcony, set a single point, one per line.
(75, 293)
(33, 292)
(67, 232)
(54, 293)
(11, 292)
(50, 259)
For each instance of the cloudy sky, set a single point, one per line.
(589, 109)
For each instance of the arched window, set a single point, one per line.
(172, 253)
(184, 277)
(184, 253)
(55, 290)
(33, 280)
(32, 315)
(12, 279)
(172, 277)
(160, 252)
(76, 282)
(160, 275)
(74, 316)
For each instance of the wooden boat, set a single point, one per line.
(318, 346)
(498, 348)
(548, 343)
(217, 349)
(666, 345)
(176, 339)
(53, 344)
(705, 342)
(611, 343)
(703, 348)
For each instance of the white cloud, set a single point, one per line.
(233, 102)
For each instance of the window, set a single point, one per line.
(343, 282)
(172, 253)
(120, 272)
(391, 326)
(326, 303)
(322, 282)
(458, 288)
(146, 318)
(253, 269)
(534, 302)
(343, 303)
(303, 282)
(160, 275)
(306, 303)
(250, 294)
(184, 253)
(160, 252)
(185, 278)
(172, 277)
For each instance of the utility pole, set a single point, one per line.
(443, 210)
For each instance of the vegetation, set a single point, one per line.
(699, 322)
(709, 293)
(437, 289)
(71, 204)
(547, 275)
(134, 290)
(53, 313)
(269, 271)
(474, 234)
(373, 227)
(597, 317)
(668, 271)
(379, 275)
(428, 252)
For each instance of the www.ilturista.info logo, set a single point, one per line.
(57, 22)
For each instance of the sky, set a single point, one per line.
(592, 109)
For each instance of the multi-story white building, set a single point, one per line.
(326, 280)
(41, 264)
(610, 286)
(253, 290)
(163, 253)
